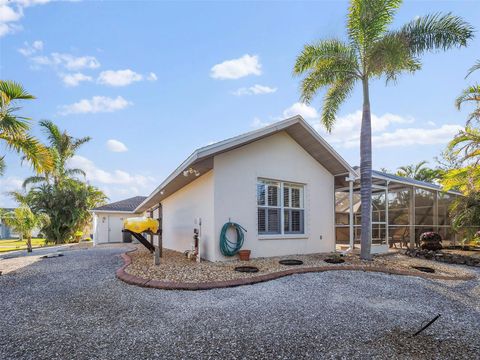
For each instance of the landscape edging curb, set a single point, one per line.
(173, 285)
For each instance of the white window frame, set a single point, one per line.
(282, 208)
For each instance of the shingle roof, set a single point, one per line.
(129, 204)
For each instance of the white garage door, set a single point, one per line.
(115, 226)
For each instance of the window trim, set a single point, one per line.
(282, 234)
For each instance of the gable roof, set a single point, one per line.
(201, 160)
(127, 205)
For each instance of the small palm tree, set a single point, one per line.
(14, 128)
(372, 51)
(471, 94)
(62, 147)
(23, 221)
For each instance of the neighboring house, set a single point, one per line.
(277, 182)
(108, 219)
(5, 231)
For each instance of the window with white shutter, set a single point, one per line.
(280, 208)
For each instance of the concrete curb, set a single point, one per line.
(171, 285)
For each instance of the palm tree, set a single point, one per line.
(419, 172)
(14, 128)
(471, 94)
(466, 147)
(372, 51)
(62, 147)
(23, 221)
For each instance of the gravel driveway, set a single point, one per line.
(73, 307)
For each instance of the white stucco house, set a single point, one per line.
(277, 182)
(108, 219)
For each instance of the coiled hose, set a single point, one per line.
(227, 246)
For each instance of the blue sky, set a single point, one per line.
(152, 81)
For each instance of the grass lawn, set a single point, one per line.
(15, 244)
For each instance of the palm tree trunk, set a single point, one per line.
(29, 244)
(366, 174)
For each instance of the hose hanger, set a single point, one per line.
(229, 247)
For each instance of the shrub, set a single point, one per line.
(431, 240)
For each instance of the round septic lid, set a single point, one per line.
(246, 269)
(290, 262)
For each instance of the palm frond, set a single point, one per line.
(335, 96)
(472, 93)
(467, 141)
(76, 143)
(437, 31)
(390, 56)
(368, 20)
(75, 172)
(33, 180)
(12, 124)
(11, 91)
(37, 154)
(475, 67)
(326, 54)
(2, 165)
(18, 196)
(53, 133)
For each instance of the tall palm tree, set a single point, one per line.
(471, 94)
(14, 128)
(62, 147)
(372, 51)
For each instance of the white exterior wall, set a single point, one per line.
(180, 210)
(277, 157)
(103, 221)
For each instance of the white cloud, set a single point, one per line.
(96, 104)
(387, 129)
(8, 14)
(11, 12)
(116, 177)
(416, 136)
(237, 68)
(254, 90)
(304, 110)
(67, 61)
(119, 77)
(7, 184)
(152, 77)
(116, 146)
(74, 79)
(31, 49)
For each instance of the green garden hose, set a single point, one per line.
(228, 247)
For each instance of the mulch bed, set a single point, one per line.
(177, 272)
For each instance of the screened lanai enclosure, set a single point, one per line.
(402, 209)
